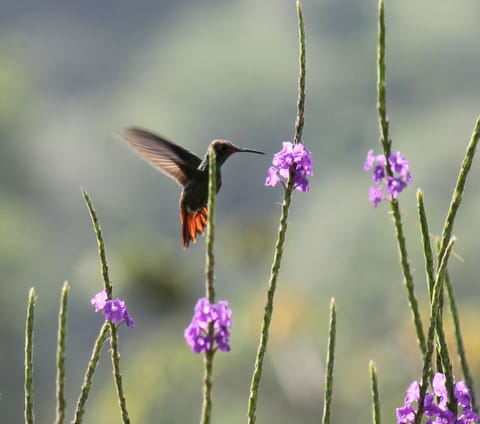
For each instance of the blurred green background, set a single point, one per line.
(74, 73)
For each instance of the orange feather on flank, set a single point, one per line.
(193, 224)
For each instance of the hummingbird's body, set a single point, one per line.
(188, 170)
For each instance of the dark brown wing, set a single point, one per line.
(170, 159)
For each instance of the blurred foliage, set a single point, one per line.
(71, 75)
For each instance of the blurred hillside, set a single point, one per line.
(73, 74)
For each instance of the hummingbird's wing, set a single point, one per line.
(170, 159)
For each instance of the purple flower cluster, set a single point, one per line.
(435, 404)
(113, 310)
(395, 184)
(282, 162)
(196, 334)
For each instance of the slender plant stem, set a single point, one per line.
(446, 236)
(267, 318)
(301, 78)
(459, 188)
(459, 340)
(210, 259)
(29, 415)
(277, 257)
(101, 245)
(116, 372)
(112, 327)
(88, 379)
(327, 401)
(395, 208)
(409, 284)
(376, 418)
(427, 248)
(381, 83)
(445, 365)
(434, 310)
(62, 337)
(209, 286)
(207, 387)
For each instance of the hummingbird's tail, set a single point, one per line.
(193, 224)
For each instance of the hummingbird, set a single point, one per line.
(187, 169)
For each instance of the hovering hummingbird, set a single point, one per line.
(187, 169)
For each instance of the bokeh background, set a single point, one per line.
(72, 74)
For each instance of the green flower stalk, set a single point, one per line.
(29, 415)
(427, 248)
(112, 326)
(434, 311)
(88, 379)
(210, 259)
(62, 336)
(445, 365)
(327, 402)
(116, 372)
(394, 205)
(209, 329)
(375, 395)
(446, 234)
(301, 79)
(209, 286)
(101, 245)
(459, 188)
(292, 164)
(459, 340)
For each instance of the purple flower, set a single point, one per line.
(378, 174)
(197, 338)
(376, 195)
(222, 338)
(394, 184)
(399, 164)
(272, 178)
(282, 162)
(462, 394)
(113, 310)
(99, 300)
(435, 404)
(440, 390)
(197, 333)
(406, 414)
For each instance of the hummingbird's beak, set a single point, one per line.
(242, 149)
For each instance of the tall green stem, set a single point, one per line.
(459, 188)
(113, 329)
(29, 415)
(434, 311)
(209, 286)
(210, 258)
(459, 341)
(301, 78)
(117, 376)
(376, 419)
(445, 365)
(327, 402)
(88, 379)
(101, 245)
(395, 207)
(277, 257)
(62, 336)
(267, 318)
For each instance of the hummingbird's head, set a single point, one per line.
(224, 149)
